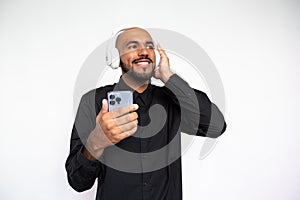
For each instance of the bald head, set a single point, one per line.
(132, 35)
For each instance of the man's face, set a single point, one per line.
(137, 56)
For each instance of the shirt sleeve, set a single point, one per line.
(199, 116)
(81, 171)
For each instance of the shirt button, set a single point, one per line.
(145, 183)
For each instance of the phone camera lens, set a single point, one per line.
(112, 102)
(111, 96)
(118, 99)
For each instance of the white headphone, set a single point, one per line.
(112, 53)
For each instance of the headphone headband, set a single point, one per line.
(112, 54)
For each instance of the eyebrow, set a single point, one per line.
(136, 42)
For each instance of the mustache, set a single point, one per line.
(142, 58)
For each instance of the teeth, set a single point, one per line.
(143, 63)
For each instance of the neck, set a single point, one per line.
(136, 85)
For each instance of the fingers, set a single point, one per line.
(103, 110)
(164, 60)
(117, 124)
(104, 106)
(126, 134)
(161, 51)
(126, 118)
(115, 113)
(121, 124)
(119, 133)
(116, 117)
(124, 110)
(124, 128)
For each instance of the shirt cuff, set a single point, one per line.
(179, 86)
(85, 162)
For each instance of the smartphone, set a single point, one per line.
(119, 99)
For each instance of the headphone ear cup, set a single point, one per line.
(108, 57)
(115, 58)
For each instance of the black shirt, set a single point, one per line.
(146, 165)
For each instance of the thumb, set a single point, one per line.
(104, 108)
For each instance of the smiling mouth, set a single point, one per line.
(142, 62)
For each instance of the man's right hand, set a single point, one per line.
(111, 128)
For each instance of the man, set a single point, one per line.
(100, 138)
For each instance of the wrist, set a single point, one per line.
(92, 156)
(92, 151)
(166, 76)
(87, 154)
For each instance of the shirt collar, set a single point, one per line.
(122, 86)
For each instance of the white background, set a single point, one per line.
(254, 45)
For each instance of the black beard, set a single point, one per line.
(136, 76)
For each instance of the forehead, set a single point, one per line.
(134, 34)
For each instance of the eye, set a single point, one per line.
(133, 46)
(150, 46)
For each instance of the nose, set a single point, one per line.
(143, 51)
